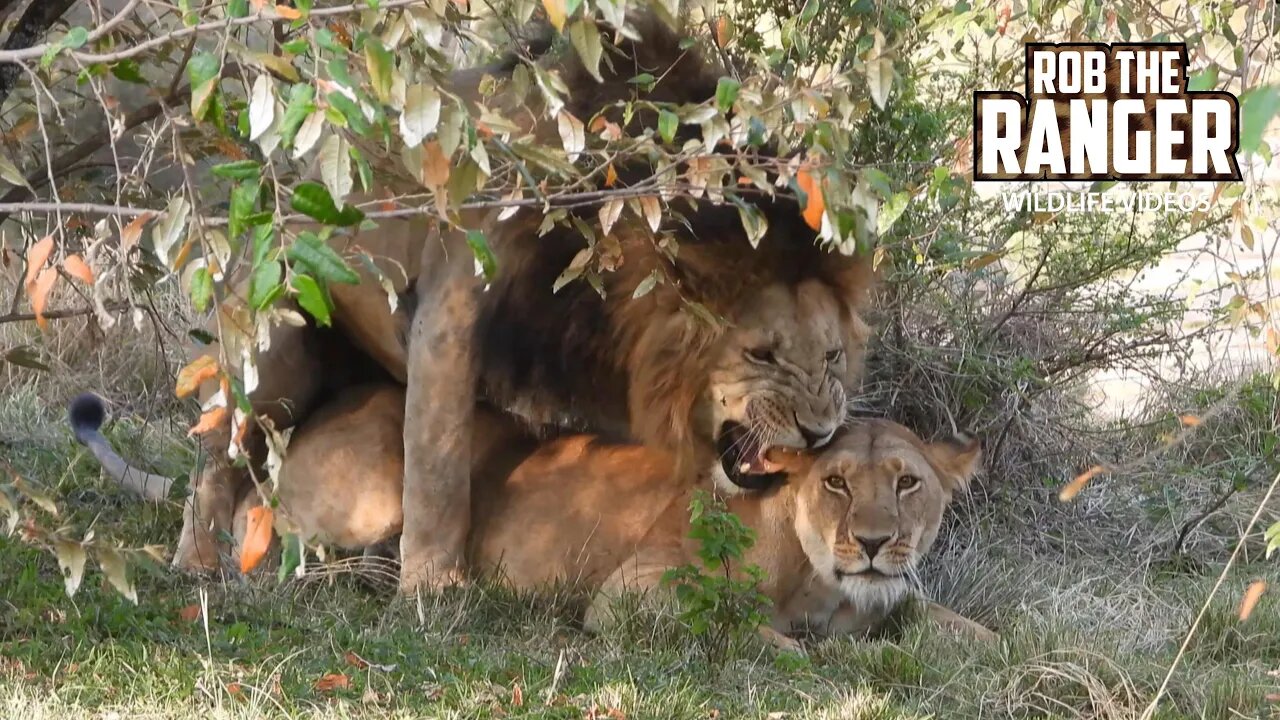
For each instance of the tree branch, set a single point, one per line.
(112, 306)
(34, 23)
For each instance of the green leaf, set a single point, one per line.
(586, 40)
(349, 111)
(313, 200)
(726, 93)
(75, 38)
(1257, 107)
(201, 288)
(313, 298)
(645, 286)
(203, 71)
(321, 260)
(363, 170)
(480, 248)
(238, 8)
(264, 284)
(290, 556)
(1206, 79)
(891, 211)
(301, 104)
(667, 124)
(128, 71)
(238, 170)
(25, 356)
(379, 61)
(243, 198)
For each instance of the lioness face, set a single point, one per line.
(869, 506)
(781, 379)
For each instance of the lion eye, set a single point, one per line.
(761, 355)
(834, 483)
(908, 482)
(834, 356)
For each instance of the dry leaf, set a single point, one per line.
(132, 232)
(194, 374)
(257, 538)
(355, 660)
(517, 695)
(287, 12)
(1189, 420)
(208, 421)
(190, 613)
(435, 166)
(1073, 488)
(556, 13)
(36, 258)
(234, 689)
(39, 291)
(333, 681)
(610, 176)
(77, 268)
(71, 557)
(722, 31)
(815, 205)
(1251, 597)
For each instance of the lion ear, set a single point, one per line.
(957, 460)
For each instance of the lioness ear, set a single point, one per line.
(957, 460)
(789, 460)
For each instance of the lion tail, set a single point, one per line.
(86, 414)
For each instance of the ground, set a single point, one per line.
(1085, 633)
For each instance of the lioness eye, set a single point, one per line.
(761, 355)
(834, 356)
(835, 483)
(908, 482)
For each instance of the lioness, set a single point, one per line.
(838, 537)
(774, 370)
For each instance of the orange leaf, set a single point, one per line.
(355, 660)
(1273, 341)
(190, 613)
(196, 372)
(1189, 420)
(343, 37)
(208, 421)
(598, 123)
(435, 166)
(257, 537)
(1251, 597)
(288, 13)
(815, 204)
(132, 232)
(40, 294)
(234, 689)
(556, 13)
(722, 31)
(610, 176)
(36, 258)
(333, 681)
(77, 268)
(1073, 488)
(517, 696)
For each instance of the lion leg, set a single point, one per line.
(948, 619)
(439, 416)
(290, 376)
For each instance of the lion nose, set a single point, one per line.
(872, 545)
(813, 438)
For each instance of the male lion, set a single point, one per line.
(773, 369)
(838, 537)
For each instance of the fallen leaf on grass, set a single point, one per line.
(1073, 488)
(257, 538)
(1251, 597)
(333, 681)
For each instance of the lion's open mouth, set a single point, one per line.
(743, 460)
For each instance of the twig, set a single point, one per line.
(111, 306)
(111, 57)
(34, 23)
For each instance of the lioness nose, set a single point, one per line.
(872, 545)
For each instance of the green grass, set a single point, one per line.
(1083, 637)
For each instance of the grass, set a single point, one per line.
(1085, 635)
